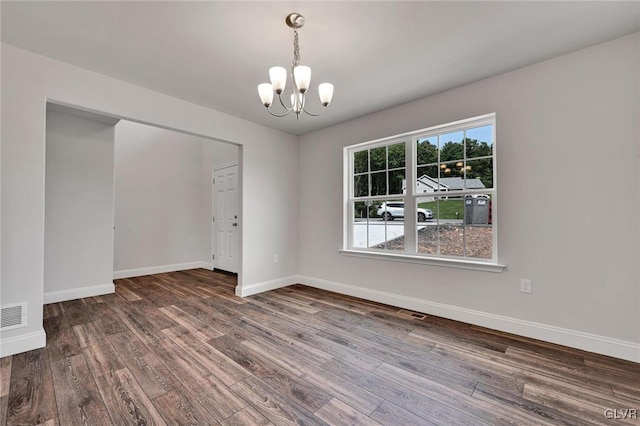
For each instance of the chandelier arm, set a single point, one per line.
(278, 115)
(314, 115)
(283, 105)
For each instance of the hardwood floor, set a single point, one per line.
(180, 348)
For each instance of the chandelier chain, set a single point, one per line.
(296, 49)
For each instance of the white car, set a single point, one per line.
(390, 211)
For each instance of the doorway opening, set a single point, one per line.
(153, 182)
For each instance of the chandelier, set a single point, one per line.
(301, 76)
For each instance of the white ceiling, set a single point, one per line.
(377, 54)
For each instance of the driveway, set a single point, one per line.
(381, 231)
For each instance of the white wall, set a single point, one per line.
(157, 197)
(78, 238)
(568, 187)
(163, 198)
(269, 167)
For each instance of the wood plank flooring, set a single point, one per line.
(181, 348)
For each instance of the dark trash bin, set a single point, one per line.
(476, 210)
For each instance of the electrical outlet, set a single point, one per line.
(276, 258)
(525, 286)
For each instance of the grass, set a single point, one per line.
(445, 209)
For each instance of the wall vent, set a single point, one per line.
(13, 316)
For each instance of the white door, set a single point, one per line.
(225, 235)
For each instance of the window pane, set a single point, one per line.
(374, 209)
(451, 175)
(391, 210)
(378, 158)
(427, 150)
(361, 210)
(379, 183)
(450, 211)
(479, 173)
(427, 237)
(396, 155)
(479, 241)
(391, 234)
(361, 161)
(360, 230)
(479, 142)
(427, 180)
(451, 147)
(477, 210)
(451, 240)
(396, 181)
(387, 232)
(424, 214)
(361, 185)
(429, 203)
(478, 228)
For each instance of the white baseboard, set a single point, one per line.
(23, 343)
(248, 290)
(562, 336)
(78, 293)
(128, 273)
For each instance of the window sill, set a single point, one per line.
(444, 262)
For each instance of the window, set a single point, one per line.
(428, 194)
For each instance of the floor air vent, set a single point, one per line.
(13, 316)
(411, 314)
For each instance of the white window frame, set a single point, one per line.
(410, 198)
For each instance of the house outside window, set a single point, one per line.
(427, 194)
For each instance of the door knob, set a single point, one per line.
(234, 224)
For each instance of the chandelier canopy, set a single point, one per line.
(301, 76)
